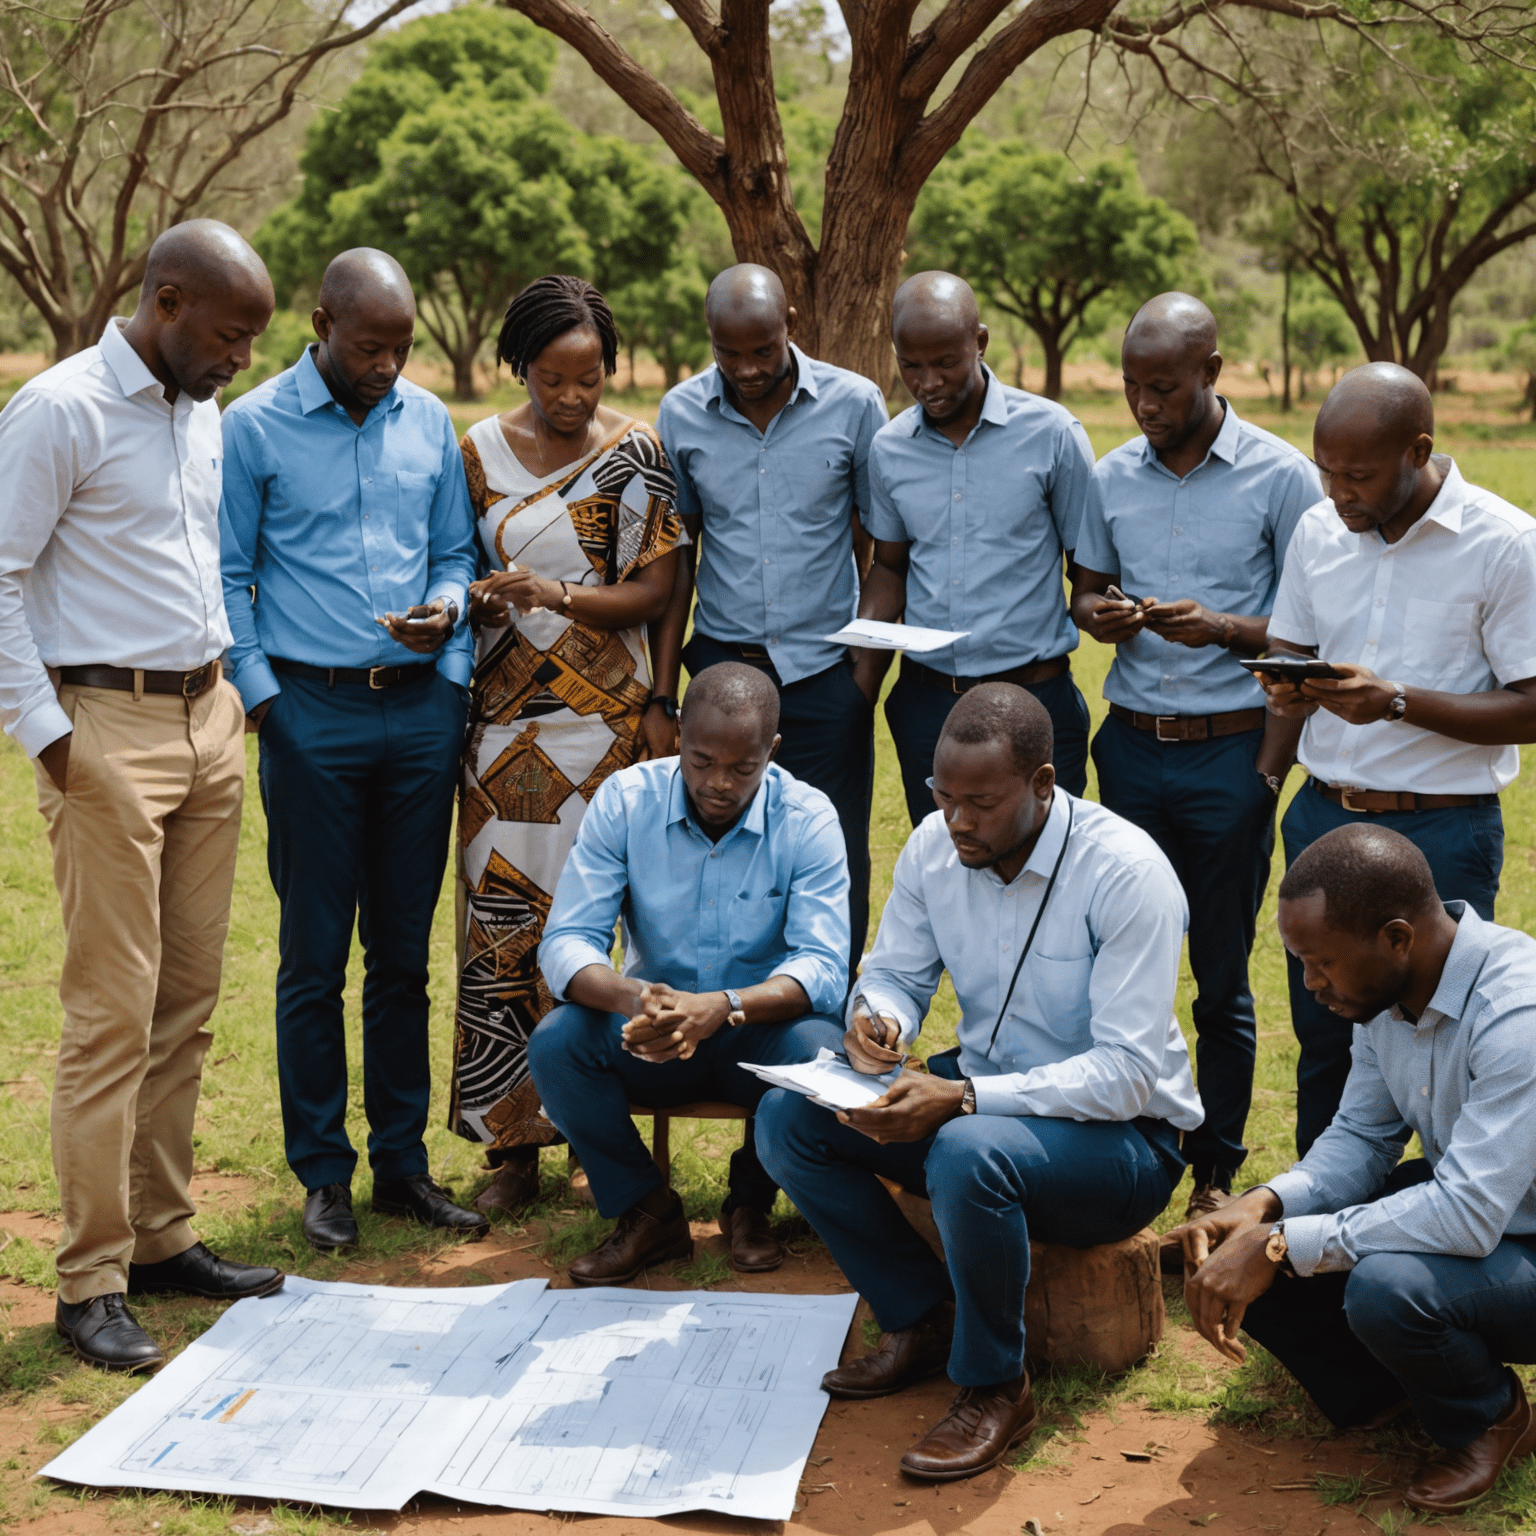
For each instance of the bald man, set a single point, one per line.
(111, 625)
(1194, 517)
(1420, 591)
(977, 494)
(347, 514)
(771, 452)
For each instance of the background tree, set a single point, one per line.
(1048, 242)
(1320, 333)
(119, 118)
(665, 314)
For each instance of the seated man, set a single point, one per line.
(1413, 1279)
(732, 882)
(1059, 1115)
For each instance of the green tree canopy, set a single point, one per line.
(1049, 242)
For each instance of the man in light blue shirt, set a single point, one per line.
(730, 879)
(1058, 1115)
(1194, 517)
(770, 448)
(348, 547)
(1374, 1279)
(976, 495)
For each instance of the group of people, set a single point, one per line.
(408, 621)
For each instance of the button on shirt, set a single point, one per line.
(335, 525)
(776, 562)
(1219, 535)
(109, 547)
(987, 523)
(1463, 1079)
(1090, 1032)
(1450, 606)
(769, 899)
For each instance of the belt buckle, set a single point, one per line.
(1157, 727)
(373, 673)
(193, 682)
(1345, 791)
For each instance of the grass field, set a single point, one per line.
(238, 1127)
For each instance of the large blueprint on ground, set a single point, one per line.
(603, 1401)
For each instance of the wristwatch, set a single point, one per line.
(667, 702)
(1273, 780)
(1399, 705)
(1277, 1250)
(968, 1098)
(738, 1014)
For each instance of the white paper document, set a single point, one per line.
(602, 1401)
(876, 636)
(827, 1079)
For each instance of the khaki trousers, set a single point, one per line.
(144, 839)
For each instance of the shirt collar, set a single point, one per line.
(1042, 857)
(751, 824)
(314, 392)
(128, 368)
(1450, 503)
(805, 383)
(994, 409)
(1225, 445)
(1463, 965)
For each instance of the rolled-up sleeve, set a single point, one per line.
(816, 931)
(579, 929)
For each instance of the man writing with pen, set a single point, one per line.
(1058, 1115)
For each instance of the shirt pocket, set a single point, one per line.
(1437, 638)
(413, 512)
(757, 923)
(1059, 988)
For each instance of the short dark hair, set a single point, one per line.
(1003, 712)
(1368, 875)
(549, 307)
(734, 688)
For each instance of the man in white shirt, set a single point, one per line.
(1421, 590)
(111, 627)
(1057, 1116)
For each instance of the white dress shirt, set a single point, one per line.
(1090, 1032)
(109, 541)
(1451, 606)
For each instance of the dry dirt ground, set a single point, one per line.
(1194, 1474)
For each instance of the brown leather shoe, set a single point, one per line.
(1450, 1480)
(902, 1358)
(982, 1425)
(638, 1242)
(754, 1248)
(1203, 1199)
(515, 1186)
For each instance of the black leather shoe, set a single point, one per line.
(424, 1201)
(102, 1332)
(197, 1272)
(329, 1225)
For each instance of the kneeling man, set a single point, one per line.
(1407, 1280)
(1058, 1117)
(732, 882)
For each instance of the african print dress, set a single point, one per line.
(555, 709)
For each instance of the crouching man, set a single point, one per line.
(1059, 1115)
(1399, 1282)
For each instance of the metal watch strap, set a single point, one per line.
(738, 1014)
(968, 1098)
(1399, 705)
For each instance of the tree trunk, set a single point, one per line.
(463, 360)
(1285, 343)
(1051, 345)
(1018, 365)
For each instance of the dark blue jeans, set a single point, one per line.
(1214, 817)
(1427, 1326)
(358, 788)
(828, 728)
(916, 713)
(995, 1182)
(587, 1081)
(1465, 849)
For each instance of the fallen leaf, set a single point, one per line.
(820, 1461)
(1137, 1455)
(1091, 1497)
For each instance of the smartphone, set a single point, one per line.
(1291, 668)
(1113, 592)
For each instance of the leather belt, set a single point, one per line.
(1035, 672)
(135, 680)
(753, 655)
(1377, 800)
(375, 677)
(1191, 727)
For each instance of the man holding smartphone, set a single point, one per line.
(1194, 517)
(1420, 589)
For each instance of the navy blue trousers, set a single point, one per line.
(1214, 817)
(1427, 1326)
(358, 788)
(916, 713)
(587, 1081)
(828, 728)
(1465, 849)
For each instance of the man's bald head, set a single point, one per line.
(933, 299)
(939, 340)
(1170, 365)
(203, 258)
(1383, 400)
(750, 325)
(366, 322)
(366, 278)
(746, 290)
(1176, 324)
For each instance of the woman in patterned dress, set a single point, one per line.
(574, 506)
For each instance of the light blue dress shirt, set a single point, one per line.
(1219, 535)
(988, 523)
(769, 899)
(335, 525)
(1090, 1032)
(1463, 1078)
(775, 565)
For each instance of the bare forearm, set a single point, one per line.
(884, 594)
(775, 1001)
(667, 634)
(601, 987)
(1497, 719)
(1277, 752)
(1250, 633)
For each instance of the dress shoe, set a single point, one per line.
(329, 1225)
(1203, 1199)
(639, 1241)
(102, 1332)
(197, 1272)
(902, 1358)
(515, 1186)
(428, 1203)
(1450, 1480)
(754, 1248)
(982, 1425)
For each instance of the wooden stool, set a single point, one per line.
(661, 1127)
